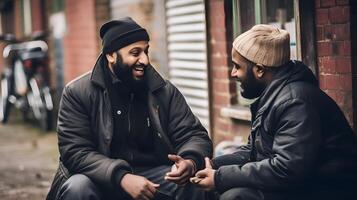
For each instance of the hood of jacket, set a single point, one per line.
(293, 71)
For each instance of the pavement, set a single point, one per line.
(28, 160)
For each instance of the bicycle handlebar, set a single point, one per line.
(25, 45)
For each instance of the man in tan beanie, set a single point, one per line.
(301, 145)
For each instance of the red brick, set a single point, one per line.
(324, 48)
(322, 82)
(342, 48)
(345, 82)
(340, 14)
(327, 65)
(337, 32)
(217, 6)
(332, 82)
(218, 35)
(317, 4)
(221, 73)
(37, 19)
(221, 86)
(217, 20)
(327, 3)
(343, 65)
(340, 98)
(222, 135)
(223, 125)
(320, 33)
(221, 99)
(220, 47)
(348, 100)
(218, 61)
(322, 16)
(217, 111)
(332, 94)
(342, 2)
(81, 40)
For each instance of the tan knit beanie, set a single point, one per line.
(264, 44)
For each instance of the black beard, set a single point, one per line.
(125, 73)
(252, 88)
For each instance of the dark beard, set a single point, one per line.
(252, 88)
(124, 73)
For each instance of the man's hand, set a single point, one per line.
(181, 171)
(138, 187)
(205, 178)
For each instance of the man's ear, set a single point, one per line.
(259, 71)
(111, 57)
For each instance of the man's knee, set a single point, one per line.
(78, 187)
(241, 194)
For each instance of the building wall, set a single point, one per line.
(18, 29)
(334, 55)
(223, 89)
(334, 52)
(37, 15)
(102, 15)
(80, 42)
(150, 15)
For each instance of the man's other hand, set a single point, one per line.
(205, 177)
(181, 171)
(138, 187)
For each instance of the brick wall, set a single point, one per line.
(80, 43)
(333, 41)
(334, 52)
(223, 89)
(37, 15)
(18, 20)
(102, 15)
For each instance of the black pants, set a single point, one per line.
(249, 194)
(80, 187)
(296, 194)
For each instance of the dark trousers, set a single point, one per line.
(296, 194)
(80, 187)
(249, 194)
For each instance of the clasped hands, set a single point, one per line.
(140, 188)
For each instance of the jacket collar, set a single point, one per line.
(273, 89)
(153, 78)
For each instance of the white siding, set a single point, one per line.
(187, 53)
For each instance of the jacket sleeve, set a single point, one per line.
(240, 157)
(296, 143)
(188, 136)
(77, 144)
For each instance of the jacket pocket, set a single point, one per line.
(60, 178)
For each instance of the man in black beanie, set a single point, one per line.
(124, 132)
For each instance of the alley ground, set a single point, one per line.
(28, 160)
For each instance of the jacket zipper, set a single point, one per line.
(129, 121)
(129, 111)
(108, 107)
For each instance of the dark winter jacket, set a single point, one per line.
(299, 138)
(85, 128)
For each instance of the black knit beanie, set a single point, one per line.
(119, 33)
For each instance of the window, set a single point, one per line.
(57, 6)
(278, 13)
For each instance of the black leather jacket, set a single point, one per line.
(85, 127)
(299, 136)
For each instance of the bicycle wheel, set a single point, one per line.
(4, 100)
(40, 101)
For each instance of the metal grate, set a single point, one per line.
(187, 53)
